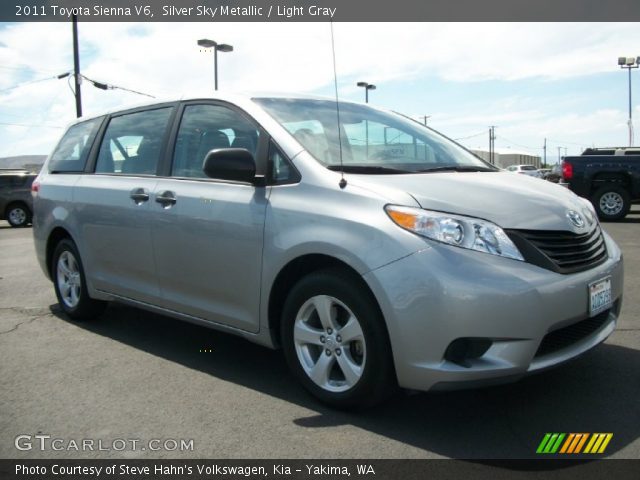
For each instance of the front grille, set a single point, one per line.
(560, 251)
(567, 336)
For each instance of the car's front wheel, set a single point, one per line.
(335, 340)
(70, 283)
(18, 215)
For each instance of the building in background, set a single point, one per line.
(504, 157)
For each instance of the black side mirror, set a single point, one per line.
(235, 164)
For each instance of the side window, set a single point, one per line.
(71, 153)
(132, 143)
(207, 127)
(281, 171)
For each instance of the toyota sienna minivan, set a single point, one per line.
(374, 251)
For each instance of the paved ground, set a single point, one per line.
(134, 375)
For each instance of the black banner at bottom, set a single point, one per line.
(311, 469)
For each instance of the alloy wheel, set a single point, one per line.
(329, 343)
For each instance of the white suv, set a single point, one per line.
(525, 169)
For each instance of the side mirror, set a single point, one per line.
(236, 164)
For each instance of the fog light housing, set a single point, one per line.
(462, 350)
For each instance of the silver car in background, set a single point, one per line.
(374, 251)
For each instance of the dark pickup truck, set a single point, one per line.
(608, 177)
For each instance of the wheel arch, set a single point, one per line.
(56, 235)
(621, 179)
(295, 270)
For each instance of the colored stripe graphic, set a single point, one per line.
(550, 443)
(574, 443)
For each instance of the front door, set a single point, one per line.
(208, 234)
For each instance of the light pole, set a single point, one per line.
(425, 118)
(217, 47)
(629, 63)
(367, 87)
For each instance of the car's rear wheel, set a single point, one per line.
(70, 283)
(18, 215)
(612, 202)
(335, 340)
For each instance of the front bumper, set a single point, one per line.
(433, 297)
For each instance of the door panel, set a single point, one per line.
(209, 249)
(208, 234)
(115, 205)
(116, 231)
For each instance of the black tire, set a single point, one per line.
(18, 215)
(377, 380)
(78, 306)
(612, 202)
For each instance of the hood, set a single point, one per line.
(506, 199)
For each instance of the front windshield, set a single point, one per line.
(372, 141)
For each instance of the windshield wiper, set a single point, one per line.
(370, 169)
(457, 168)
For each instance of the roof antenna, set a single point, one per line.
(343, 181)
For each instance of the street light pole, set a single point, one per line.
(367, 87)
(629, 63)
(217, 47)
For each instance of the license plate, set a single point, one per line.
(599, 296)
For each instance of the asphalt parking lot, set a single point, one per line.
(136, 375)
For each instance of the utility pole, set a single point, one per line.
(545, 153)
(76, 67)
(559, 155)
(492, 145)
(424, 118)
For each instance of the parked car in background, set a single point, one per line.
(608, 177)
(374, 251)
(553, 174)
(16, 204)
(525, 170)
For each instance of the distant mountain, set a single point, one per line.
(28, 162)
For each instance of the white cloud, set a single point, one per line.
(163, 59)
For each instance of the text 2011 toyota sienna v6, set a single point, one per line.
(376, 252)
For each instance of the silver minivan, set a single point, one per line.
(374, 251)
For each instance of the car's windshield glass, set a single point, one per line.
(373, 142)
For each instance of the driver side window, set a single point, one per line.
(209, 127)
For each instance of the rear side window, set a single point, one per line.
(71, 153)
(132, 143)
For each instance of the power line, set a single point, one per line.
(470, 136)
(106, 86)
(62, 75)
(28, 125)
(568, 143)
(25, 67)
(519, 144)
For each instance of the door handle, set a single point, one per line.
(139, 195)
(166, 199)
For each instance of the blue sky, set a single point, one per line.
(533, 81)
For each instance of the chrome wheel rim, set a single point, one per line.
(330, 343)
(17, 216)
(69, 282)
(611, 203)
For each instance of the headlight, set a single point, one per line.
(464, 232)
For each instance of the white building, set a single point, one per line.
(505, 157)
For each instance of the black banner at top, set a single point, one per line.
(319, 10)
